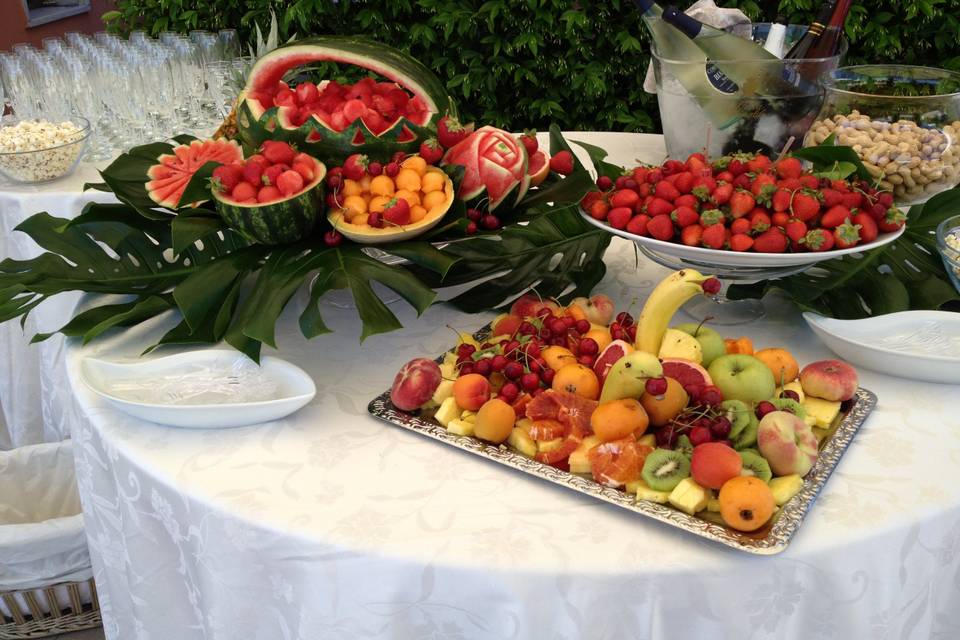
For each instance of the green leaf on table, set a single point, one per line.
(826, 156)
(838, 171)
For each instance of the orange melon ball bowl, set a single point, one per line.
(386, 209)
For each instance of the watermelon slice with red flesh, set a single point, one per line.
(168, 179)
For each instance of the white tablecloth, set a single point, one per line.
(31, 391)
(331, 524)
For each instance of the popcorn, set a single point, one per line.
(37, 150)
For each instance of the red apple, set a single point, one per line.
(829, 379)
(598, 309)
(415, 384)
(527, 305)
(787, 442)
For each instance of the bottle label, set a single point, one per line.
(719, 80)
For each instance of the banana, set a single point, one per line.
(664, 301)
(629, 375)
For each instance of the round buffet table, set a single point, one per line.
(332, 524)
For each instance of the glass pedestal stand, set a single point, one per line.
(721, 309)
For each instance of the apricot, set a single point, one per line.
(618, 419)
(495, 421)
(408, 179)
(416, 163)
(557, 357)
(664, 408)
(743, 345)
(471, 391)
(746, 503)
(781, 363)
(577, 379)
(601, 336)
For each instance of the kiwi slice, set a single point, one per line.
(664, 469)
(789, 404)
(739, 414)
(755, 464)
(748, 437)
(684, 446)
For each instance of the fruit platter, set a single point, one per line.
(677, 423)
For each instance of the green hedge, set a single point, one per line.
(525, 63)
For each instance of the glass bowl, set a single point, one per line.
(948, 241)
(903, 122)
(35, 166)
(697, 117)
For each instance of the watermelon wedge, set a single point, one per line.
(168, 179)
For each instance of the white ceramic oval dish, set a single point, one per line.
(282, 387)
(703, 255)
(919, 345)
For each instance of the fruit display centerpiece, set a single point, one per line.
(673, 416)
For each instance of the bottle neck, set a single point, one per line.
(648, 7)
(839, 15)
(687, 25)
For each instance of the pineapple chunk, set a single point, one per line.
(544, 446)
(460, 427)
(649, 440)
(447, 412)
(449, 359)
(445, 390)
(644, 492)
(713, 504)
(688, 496)
(469, 416)
(792, 386)
(823, 411)
(524, 423)
(579, 462)
(785, 487)
(521, 441)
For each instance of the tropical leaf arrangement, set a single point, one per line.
(226, 288)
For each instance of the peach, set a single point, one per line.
(618, 419)
(578, 379)
(506, 325)
(495, 421)
(598, 309)
(415, 384)
(527, 305)
(746, 503)
(713, 463)
(829, 379)
(781, 363)
(471, 391)
(787, 442)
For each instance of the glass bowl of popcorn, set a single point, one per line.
(36, 151)
(948, 241)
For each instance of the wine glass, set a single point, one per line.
(229, 44)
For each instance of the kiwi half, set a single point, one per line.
(789, 404)
(748, 437)
(755, 464)
(664, 469)
(739, 413)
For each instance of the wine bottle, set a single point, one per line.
(826, 43)
(813, 33)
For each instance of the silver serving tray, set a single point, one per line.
(770, 539)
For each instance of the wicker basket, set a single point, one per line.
(59, 608)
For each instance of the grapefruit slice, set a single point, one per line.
(618, 462)
(168, 179)
(686, 372)
(538, 167)
(608, 357)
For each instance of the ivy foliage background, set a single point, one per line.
(524, 63)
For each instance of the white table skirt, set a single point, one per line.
(331, 524)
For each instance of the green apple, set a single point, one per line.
(711, 342)
(742, 377)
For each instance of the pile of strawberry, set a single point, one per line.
(277, 172)
(743, 202)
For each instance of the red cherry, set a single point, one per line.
(332, 238)
(764, 408)
(656, 386)
(700, 435)
(791, 395)
(710, 395)
(547, 376)
(720, 428)
(589, 346)
(586, 360)
(557, 327)
(527, 329)
(711, 286)
(483, 367)
(624, 319)
(513, 370)
(471, 228)
(510, 391)
(467, 368)
(530, 381)
(497, 363)
(582, 326)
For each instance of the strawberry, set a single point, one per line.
(805, 205)
(396, 211)
(737, 167)
(853, 200)
(741, 242)
(770, 241)
(619, 217)
(684, 216)
(846, 235)
(697, 164)
(684, 182)
(562, 163)
(781, 199)
(659, 206)
(810, 181)
(660, 227)
(892, 220)
(691, 235)
(743, 181)
(834, 217)
(796, 229)
(724, 176)
(705, 185)
(672, 167)
(763, 187)
(431, 151)
(638, 224)
(529, 141)
(620, 182)
(450, 131)
(355, 166)
(598, 210)
(277, 152)
(831, 197)
(721, 195)
(687, 200)
(654, 176)
(667, 191)
(624, 198)
(885, 198)
(790, 184)
(788, 168)
(645, 189)
(780, 219)
(741, 203)
(714, 236)
(640, 174)
(759, 222)
(711, 217)
(740, 226)
(289, 182)
(589, 198)
(818, 240)
(226, 177)
(758, 164)
(840, 185)
(868, 227)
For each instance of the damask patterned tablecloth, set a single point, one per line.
(332, 524)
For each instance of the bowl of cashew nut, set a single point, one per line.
(902, 121)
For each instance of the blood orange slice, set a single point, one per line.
(608, 357)
(618, 462)
(686, 372)
(559, 457)
(568, 409)
(547, 429)
(168, 179)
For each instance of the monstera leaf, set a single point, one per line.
(906, 274)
